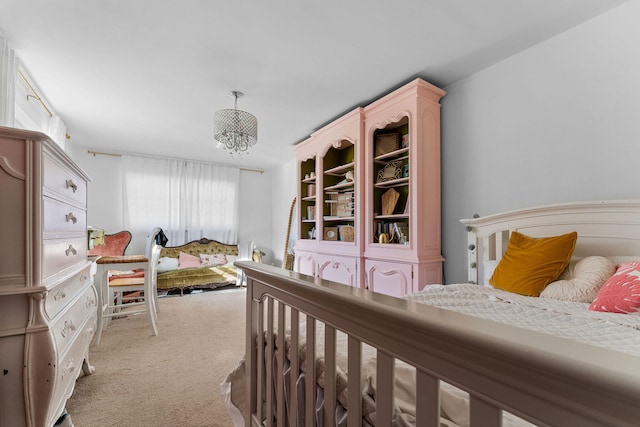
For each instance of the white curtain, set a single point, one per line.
(211, 202)
(188, 200)
(8, 70)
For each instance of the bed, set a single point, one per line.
(200, 264)
(446, 356)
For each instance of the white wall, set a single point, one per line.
(105, 200)
(284, 185)
(556, 123)
(255, 211)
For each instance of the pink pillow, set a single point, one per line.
(211, 260)
(188, 261)
(621, 293)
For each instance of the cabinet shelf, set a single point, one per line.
(392, 216)
(400, 182)
(338, 218)
(340, 170)
(340, 186)
(395, 159)
(392, 155)
(309, 199)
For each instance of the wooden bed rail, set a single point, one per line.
(541, 378)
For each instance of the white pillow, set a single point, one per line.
(487, 271)
(581, 280)
(167, 264)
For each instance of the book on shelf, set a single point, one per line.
(396, 232)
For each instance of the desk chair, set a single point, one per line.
(108, 306)
(114, 244)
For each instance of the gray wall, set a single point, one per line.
(559, 122)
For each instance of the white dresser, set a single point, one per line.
(47, 299)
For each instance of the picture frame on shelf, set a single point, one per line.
(390, 171)
(386, 143)
(331, 233)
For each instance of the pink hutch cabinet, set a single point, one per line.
(407, 171)
(330, 187)
(374, 174)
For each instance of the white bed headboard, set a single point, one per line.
(606, 228)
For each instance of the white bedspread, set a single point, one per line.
(571, 320)
(560, 318)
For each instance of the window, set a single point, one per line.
(188, 200)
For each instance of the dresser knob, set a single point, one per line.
(68, 326)
(69, 368)
(71, 184)
(59, 295)
(70, 250)
(71, 217)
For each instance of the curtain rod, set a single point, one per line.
(34, 93)
(100, 153)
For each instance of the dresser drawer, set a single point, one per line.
(70, 366)
(59, 254)
(61, 295)
(67, 327)
(60, 182)
(62, 218)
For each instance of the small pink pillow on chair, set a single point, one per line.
(621, 293)
(188, 261)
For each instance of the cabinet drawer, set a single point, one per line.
(59, 254)
(305, 263)
(63, 294)
(60, 182)
(390, 278)
(338, 269)
(61, 217)
(67, 327)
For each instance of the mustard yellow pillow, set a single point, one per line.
(529, 264)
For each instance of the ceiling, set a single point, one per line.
(146, 76)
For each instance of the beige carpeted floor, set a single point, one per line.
(172, 379)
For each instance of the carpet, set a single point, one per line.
(172, 379)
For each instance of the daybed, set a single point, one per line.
(451, 355)
(206, 264)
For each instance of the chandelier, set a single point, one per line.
(235, 130)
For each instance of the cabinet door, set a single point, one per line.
(338, 269)
(389, 278)
(305, 263)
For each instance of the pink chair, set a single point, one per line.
(114, 244)
(108, 307)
